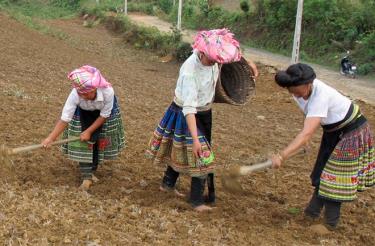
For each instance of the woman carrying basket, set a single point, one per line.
(346, 158)
(182, 140)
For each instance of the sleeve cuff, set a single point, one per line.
(65, 119)
(105, 115)
(189, 110)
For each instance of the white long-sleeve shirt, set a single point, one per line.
(195, 85)
(103, 102)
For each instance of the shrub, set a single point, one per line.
(183, 51)
(141, 7)
(366, 68)
(93, 12)
(364, 54)
(165, 5)
(245, 7)
(70, 4)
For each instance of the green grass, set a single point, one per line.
(144, 37)
(37, 9)
(30, 12)
(35, 24)
(105, 5)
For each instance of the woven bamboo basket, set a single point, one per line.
(235, 84)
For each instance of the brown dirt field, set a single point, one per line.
(39, 200)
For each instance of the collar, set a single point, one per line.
(200, 65)
(99, 95)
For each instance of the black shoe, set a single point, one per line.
(210, 198)
(310, 215)
(331, 227)
(313, 214)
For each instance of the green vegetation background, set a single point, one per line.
(329, 28)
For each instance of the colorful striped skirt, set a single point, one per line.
(350, 166)
(171, 144)
(111, 138)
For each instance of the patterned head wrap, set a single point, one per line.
(218, 45)
(87, 78)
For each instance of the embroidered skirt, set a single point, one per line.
(111, 138)
(350, 166)
(172, 143)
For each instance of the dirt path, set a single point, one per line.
(355, 88)
(39, 200)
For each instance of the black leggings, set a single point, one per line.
(197, 186)
(331, 211)
(204, 124)
(87, 118)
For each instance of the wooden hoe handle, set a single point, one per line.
(256, 167)
(38, 146)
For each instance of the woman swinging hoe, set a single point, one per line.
(346, 159)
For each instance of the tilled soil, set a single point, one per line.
(40, 202)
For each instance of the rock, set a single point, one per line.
(2, 216)
(45, 215)
(128, 191)
(261, 117)
(53, 239)
(93, 243)
(319, 229)
(125, 178)
(166, 58)
(67, 240)
(271, 69)
(143, 183)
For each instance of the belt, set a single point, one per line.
(352, 118)
(206, 107)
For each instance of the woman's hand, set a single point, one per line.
(276, 160)
(197, 148)
(57, 130)
(254, 69)
(192, 125)
(85, 136)
(47, 142)
(255, 72)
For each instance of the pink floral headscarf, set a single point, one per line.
(218, 45)
(87, 78)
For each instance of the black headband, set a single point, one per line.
(295, 75)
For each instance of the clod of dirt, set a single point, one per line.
(319, 229)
